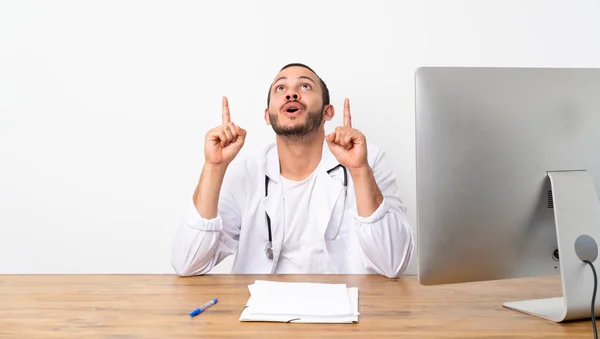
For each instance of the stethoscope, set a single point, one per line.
(269, 247)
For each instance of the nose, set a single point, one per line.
(289, 97)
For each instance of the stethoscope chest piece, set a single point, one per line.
(269, 251)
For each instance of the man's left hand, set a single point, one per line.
(348, 145)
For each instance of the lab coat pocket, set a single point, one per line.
(341, 240)
(338, 217)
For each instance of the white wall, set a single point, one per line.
(104, 105)
(513, 33)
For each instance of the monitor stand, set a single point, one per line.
(577, 219)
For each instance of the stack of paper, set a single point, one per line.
(301, 302)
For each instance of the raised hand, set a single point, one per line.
(348, 145)
(223, 142)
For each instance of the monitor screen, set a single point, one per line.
(494, 147)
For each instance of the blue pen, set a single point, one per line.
(203, 307)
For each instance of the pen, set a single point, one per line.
(203, 307)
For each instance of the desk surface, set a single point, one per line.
(158, 306)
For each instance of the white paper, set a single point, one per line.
(301, 302)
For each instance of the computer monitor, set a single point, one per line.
(508, 175)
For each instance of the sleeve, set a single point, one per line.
(199, 244)
(386, 237)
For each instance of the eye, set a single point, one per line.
(279, 88)
(305, 86)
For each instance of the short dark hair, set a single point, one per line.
(324, 89)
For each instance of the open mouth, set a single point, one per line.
(292, 107)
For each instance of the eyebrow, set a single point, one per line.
(300, 77)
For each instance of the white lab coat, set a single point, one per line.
(381, 243)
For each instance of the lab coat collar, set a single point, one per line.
(273, 170)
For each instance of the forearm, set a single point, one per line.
(206, 196)
(387, 243)
(194, 246)
(368, 195)
(201, 240)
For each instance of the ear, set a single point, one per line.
(328, 113)
(267, 119)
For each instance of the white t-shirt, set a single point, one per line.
(303, 245)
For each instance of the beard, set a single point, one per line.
(313, 122)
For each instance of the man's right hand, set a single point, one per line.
(224, 142)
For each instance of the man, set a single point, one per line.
(292, 208)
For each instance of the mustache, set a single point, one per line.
(293, 101)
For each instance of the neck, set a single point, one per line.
(299, 156)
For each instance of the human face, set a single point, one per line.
(296, 107)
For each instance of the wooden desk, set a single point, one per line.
(158, 306)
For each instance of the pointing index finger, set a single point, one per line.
(347, 117)
(226, 116)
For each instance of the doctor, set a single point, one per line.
(309, 203)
